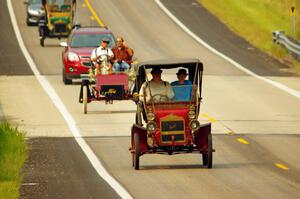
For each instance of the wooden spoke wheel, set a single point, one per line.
(84, 99)
(136, 152)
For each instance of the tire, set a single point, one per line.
(65, 79)
(42, 41)
(207, 158)
(138, 119)
(84, 99)
(136, 153)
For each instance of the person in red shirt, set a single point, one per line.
(122, 56)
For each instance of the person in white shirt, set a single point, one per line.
(102, 53)
(156, 89)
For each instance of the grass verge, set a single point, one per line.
(13, 153)
(255, 20)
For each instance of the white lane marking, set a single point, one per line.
(237, 65)
(66, 115)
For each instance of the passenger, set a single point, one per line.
(182, 88)
(102, 54)
(160, 90)
(122, 56)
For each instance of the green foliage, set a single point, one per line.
(13, 153)
(255, 20)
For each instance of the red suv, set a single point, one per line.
(78, 49)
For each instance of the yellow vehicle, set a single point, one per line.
(58, 20)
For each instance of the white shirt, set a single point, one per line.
(97, 52)
(162, 88)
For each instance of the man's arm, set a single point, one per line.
(170, 92)
(94, 56)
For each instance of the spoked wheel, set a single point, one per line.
(207, 157)
(136, 152)
(84, 99)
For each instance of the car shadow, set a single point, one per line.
(193, 166)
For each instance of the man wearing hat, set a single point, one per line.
(182, 88)
(101, 52)
(181, 75)
(156, 88)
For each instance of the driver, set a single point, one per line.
(160, 90)
(100, 53)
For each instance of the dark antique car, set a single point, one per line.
(171, 127)
(58, 19)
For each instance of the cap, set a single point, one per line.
(156, 70)
(105, 39)
(181, 71)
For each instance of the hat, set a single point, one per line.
(156, 70)
(105, 39)
(181, 71)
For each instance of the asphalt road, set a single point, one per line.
(266, 117)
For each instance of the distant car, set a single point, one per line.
(76, 56)
(35, 11)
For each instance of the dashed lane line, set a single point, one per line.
(243, 141)
(281, 166)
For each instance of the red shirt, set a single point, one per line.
(122, 54)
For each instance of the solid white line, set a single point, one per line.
(237, 65)
(66, 115)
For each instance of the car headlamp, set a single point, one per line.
(192, 115)
(151, 116)
(33, 12)
(73, 57)
(151, 127)
(194, 125)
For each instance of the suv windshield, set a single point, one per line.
(91, 40)
(35, 1)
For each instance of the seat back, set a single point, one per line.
(182, 92)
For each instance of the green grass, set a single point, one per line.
(13, 153)
(255, 20)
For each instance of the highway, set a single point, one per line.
(256, 126)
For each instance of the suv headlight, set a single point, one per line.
(73, 57)
(151, 116)
(194, 125)
(151, 127)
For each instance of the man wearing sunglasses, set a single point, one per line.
(102, 54)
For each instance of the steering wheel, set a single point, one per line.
(160, 98)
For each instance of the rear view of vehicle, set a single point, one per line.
(35, 11)
(171, 127)
(76, 56)
(58, 21)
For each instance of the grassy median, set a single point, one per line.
(13, 153)
(255, 20)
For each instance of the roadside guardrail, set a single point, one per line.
(293, 47)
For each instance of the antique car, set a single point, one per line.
(35, 11)
(107, 86)
(77, 50)
(58, 20)
(171, 126)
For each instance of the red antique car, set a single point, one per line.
(107, 87)
(171, 127)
